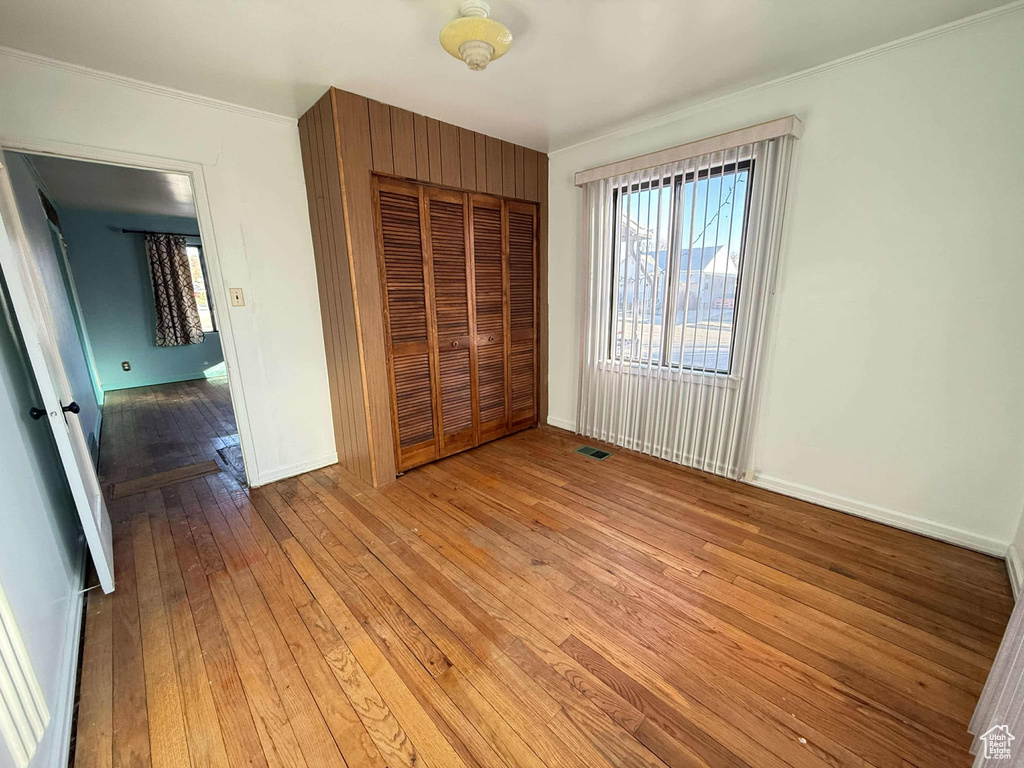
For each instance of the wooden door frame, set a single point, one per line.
(195, 172)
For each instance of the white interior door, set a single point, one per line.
(30, 306)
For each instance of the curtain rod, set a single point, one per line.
(770, 130)
(148, 232)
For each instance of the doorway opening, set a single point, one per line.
(122, 267)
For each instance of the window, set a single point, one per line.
(197, 265)
(678, 248)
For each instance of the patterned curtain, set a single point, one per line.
(177, 318)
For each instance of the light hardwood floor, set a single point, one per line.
(522, 605)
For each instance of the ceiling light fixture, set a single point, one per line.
(476, 38)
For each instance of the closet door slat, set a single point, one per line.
(452, 283)
(522, 269)
(407, 311)
(491, 283)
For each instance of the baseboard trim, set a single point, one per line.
(281, 473)
(1014, 569)
(554, 421)
(63, 716)
(901, 520)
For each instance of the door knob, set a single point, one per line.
(455, 343)
(38, 413)
(490, 338)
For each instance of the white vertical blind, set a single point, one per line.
(678, 265)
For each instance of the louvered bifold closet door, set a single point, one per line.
(404, 284)
(521, 223)
(448, 245)
(490, 268)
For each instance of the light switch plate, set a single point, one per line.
(237, 297)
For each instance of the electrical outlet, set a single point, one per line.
(237, 298)
(126, 366)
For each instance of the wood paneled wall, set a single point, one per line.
(346, 138)
(335, 281)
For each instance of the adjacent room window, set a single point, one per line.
(197, 265)
(678, 248)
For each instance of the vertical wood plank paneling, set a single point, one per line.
(351, 375)
(403, 142)
(530, 162)
(380, 137)
(352, 125)
(323, 190)
(508, 169)
(451, 162)
(467, 159)
(493, 165)
(520, 172)
(481, 162)
(345, 138)
(324, 143)
(333, 333)
(434, 149)
(542, 290)
(309, 157)
(419, 125)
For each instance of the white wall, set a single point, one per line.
(895, 368)
(40, 547)
(254, 182)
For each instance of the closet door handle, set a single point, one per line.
(455, 343)
(490, 338)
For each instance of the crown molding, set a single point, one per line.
(631, 128)
(142, 85)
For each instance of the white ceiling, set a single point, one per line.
(576, 69)
(100, 187)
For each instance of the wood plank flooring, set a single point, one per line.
(154, 429)
(520, 606)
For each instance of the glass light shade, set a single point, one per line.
(477, 40)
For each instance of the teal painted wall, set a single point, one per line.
(112, 279)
